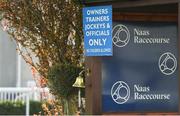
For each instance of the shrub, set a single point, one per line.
(19, 108)
(60, 80)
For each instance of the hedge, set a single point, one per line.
(19, 108)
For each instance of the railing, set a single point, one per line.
(24, 95)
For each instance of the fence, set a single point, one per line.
(25, 95)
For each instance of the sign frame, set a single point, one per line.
(93, 81)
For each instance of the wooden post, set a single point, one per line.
(93, 86)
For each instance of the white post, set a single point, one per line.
(79, 98)
(18, 68)
(35, 93)
(27, 104)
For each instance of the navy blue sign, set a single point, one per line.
(142, 75)
(97, 28)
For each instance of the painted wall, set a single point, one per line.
(8, 63)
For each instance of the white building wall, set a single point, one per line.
(26, 74)
(8, 63)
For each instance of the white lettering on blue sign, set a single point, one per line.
(95, 42)
(97, 27)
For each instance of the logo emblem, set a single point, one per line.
(167, 63)
(121, 35)
(120, 92)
